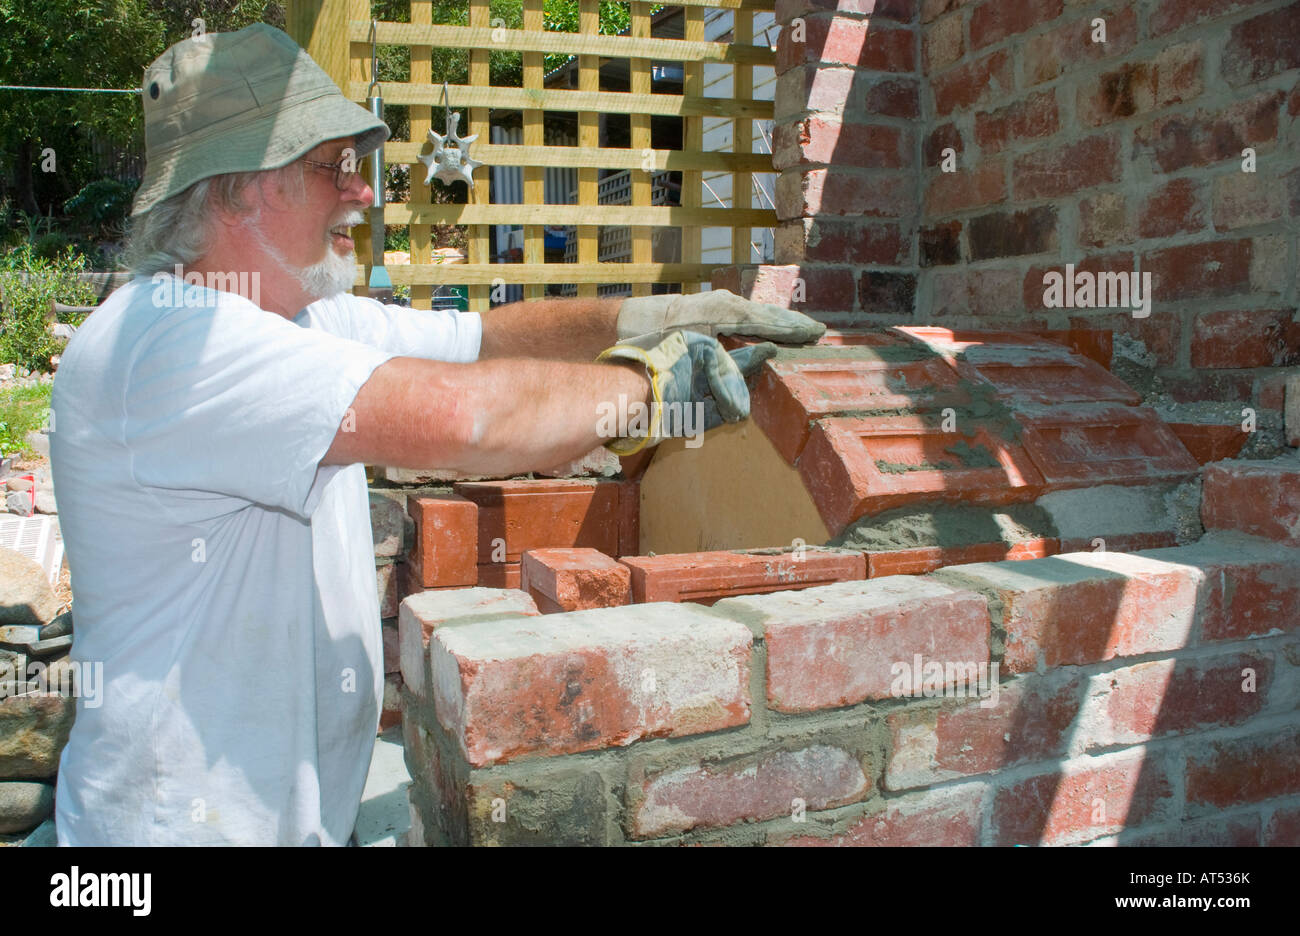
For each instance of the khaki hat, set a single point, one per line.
(239, 102)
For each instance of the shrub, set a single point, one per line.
(24, 340)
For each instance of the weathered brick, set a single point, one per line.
(945, 817)
(1062, 170)
(626, 673)
(1262, 46)
(902, 11)
(446, 541)
(558, 807)
(423, 613)
(835, 191)
(933, 9)
(942, 44)
(1231, 772)
(836, 645)
(994, 20)
(387, 583)
(1198, 271)
(887, 97)
(830, 240)
(1242, 199)
(978, 292)
(819, 140)
(1029, 719)
(1030, 118)
(945, 136)
(1083, 799)
(1013, 233)
(748, 789)
(705, 577)
(972, 83)
(1218, 832)
(1135, 88)
(1170, 15)
(1283, 827)
(1176, 207)
(1035, 285)
(841, 39)
(1246, 338)
(574, 580)
(919, 560)
(388, 523)
(1261, 498)
(815, 87)
(629, 517)
(886, 293)
(1291, 402)
(817, 287)
(1210, 442)
(1211, 135)
(1086, 607)
(940, 245)
(1104, 220)
(950, 192)
(1048, 54)
(515, 516)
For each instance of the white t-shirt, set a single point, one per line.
(223, 578)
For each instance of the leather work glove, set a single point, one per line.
(685, 369)
(718, 312)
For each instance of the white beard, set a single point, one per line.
(329, 277)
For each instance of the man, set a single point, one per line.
(209, 448)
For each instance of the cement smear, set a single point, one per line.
(945, 525)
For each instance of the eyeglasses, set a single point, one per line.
(342, 178)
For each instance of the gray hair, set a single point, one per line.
(179, 229)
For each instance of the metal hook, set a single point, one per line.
(374, 58)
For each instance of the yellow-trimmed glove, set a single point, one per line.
(713, 313)
(695, 383)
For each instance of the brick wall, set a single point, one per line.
(1113, 156)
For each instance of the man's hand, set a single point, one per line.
(718, 312)
(689, 370)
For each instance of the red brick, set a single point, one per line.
(1244, 770)
(1174, 75)
(1177, 207)
(1283, 827)
(629, 518)
(1086, 607)
(626, 673)
(1063, 170)
(950, 192)
(853, 466)
(933, 9)
(1160, 334)
(889, 97)
(1051, 53)
(1080, 445)
(446, 541)
(821, 288)
(945, 136)
(1211, 136)
(499, 574)
(940, 245)
(705, 577)
(831, 240)
(815, 139)
(985, 293)
(942, 44)
(1163, 697)
(922, 559)
(1063, 806)
(1210, 442)
(1096, 344)
(1031, 118)
(1196, 386)
(1046, 377)
(574, 580)
(1272, 392)
(902, 11)
(866, 44)
(835, 191)
(746, 790)
(973, 83)
(388, 583)
(538, 514)
(1218, 832)
(1246, 338)
(945, 817)
(1035, 287)
(1263, 46)
(1030, 719)
(1170, 15)
(1245, 199)
(1013, 233)
(1197, 271)
(994, 20)
(1104, 220)
(1258, 498)
(837, 645)
(390, 713)
(883, 292)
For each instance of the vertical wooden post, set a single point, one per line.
(742, 135)
(479, 235)
(693, 141)
(421, 123)
(639, 74)
(534, 176)
(359, 70)
(320, 27)
(588, 136)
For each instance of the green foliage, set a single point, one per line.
(102, 203)
(23, 337)
(22, 410)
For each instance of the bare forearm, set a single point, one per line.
(551, 329)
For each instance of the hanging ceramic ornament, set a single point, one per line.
(450, 160)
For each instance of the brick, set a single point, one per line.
(1292, 410)
(1029, 719)
(1032, 118)
(1227, 773)
(1196, 386)
(887, 293)
(1047, 55)
(902, 11)
(946, 817)
(944, 136)
(1209, 442)
(1177, 207)
(499, 574)
(933, 9)
(1272, 391)
(994, 20)
(887, 97)
(523, 515)
(1082, 800)
(420, 615)
(574, 580)
(1159, 333)
(940, 245)
(1210, 136)
(749, 789)
(1013, 233)
(1242, 199)
(818, 287)
(1104, 220)
(919, 560)
(1080, 608)
(565, 807)
(1262, 46)
(977, 292)
(942, 44)
(858, 465)
(705, 577)
(627, 673)
(866, 44)
(821, 140)
(1197, 271)
(1135, 517)
(392, 648)
(1164, 697)
(949, 192)
(834, 191)
(837, 645)
(1097, 265)
(387, 583)
(390, 713)
(830, 240)
(1261, 498)
(1219, 832)
(1137, 88)
(1283, 827)
(388, 523)
(814, 87)
(1171, 15)
(446, 541)
(629, 518)
(1063, 170)
(973, 83)
(1045, 376)
(1246, 338)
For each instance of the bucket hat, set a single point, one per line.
(239, 102)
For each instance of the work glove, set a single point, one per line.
(687, 368)
(718, 312)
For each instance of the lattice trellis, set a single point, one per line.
(336, 33)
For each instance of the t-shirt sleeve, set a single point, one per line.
(238, 401)
(440, 334)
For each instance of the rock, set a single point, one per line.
(45, 502)
(61, 626)
(387, 521)
(33, 731)
(24, 805)
(6, 371)
(19, 634)
(51, 647)
(18, 484)
(13, 665)
(25, 593)
(19, 503)
(39, 441)
(45, 836)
